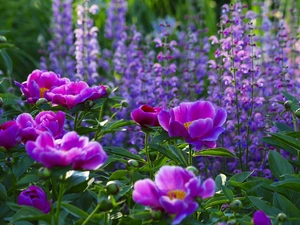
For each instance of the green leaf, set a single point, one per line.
(7, 61)
(3, 193)
(119, 175)
(122, 152)
(166, 152)
(162, 137)
(181, 155)
(291, 98)
(75, 211)
(85, 130)
(75, 178)
(265, 206)
(30, 214)
(228, 193)
(279, 165)
(27, 179)
(215, 152)
(290, 141)
(22, 166)
(275, 142)
(282, 127)
(239, 178)
(293, 184)
(286, 206)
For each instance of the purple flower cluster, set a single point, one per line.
(61, 46)
(173, 191)
(87, 48)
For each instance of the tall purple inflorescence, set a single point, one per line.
(60, 50)
(87, 48)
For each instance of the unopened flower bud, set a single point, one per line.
(23, 97)
(236, 205)
(281, 217)
(41, 102)
(88, 104)
(9, 161)
(125, 210)
(44, 172)
(288, 104)
(108, 89)
(112, 188)
(1, 102)
(193, 169)
(156, 214)
(133, 163)
(2, 39)
(231, 222)
(124, 104)
(297, 113)
(105, 205)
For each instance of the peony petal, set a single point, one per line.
(191, 208)
(177, 129)
(202, 110)
(209, 188)
(172, 178)
(145, 193)
(164, 119)
(182, 113)
(213, 134)
(210, 144)
(220, 117)
(174, 206)
(200, 127)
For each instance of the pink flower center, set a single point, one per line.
(178, 194)
(187, 124)
(42, 92)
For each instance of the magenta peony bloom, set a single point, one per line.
(260, 218)
(71, 149)
(146, 116)
(35, 196)
(10, 134)
(38, 83)
(44, 121)
(74, 93)
(197, 122)
(51, 122)
(174, 191)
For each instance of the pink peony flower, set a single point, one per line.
(197, 122)
(38, 83)
(74, 93)
(146, 116)
(10, 134)
(34, 196)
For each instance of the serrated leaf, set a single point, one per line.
(223, 152)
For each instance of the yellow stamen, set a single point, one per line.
(187, 124)
(178, 194)
(42, 92)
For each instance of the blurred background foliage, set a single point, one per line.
(25, 25)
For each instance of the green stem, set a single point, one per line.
(100, 118)
(190, 155)
(76, 120)
(148, 154)
(60, 195)
(90, 216)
